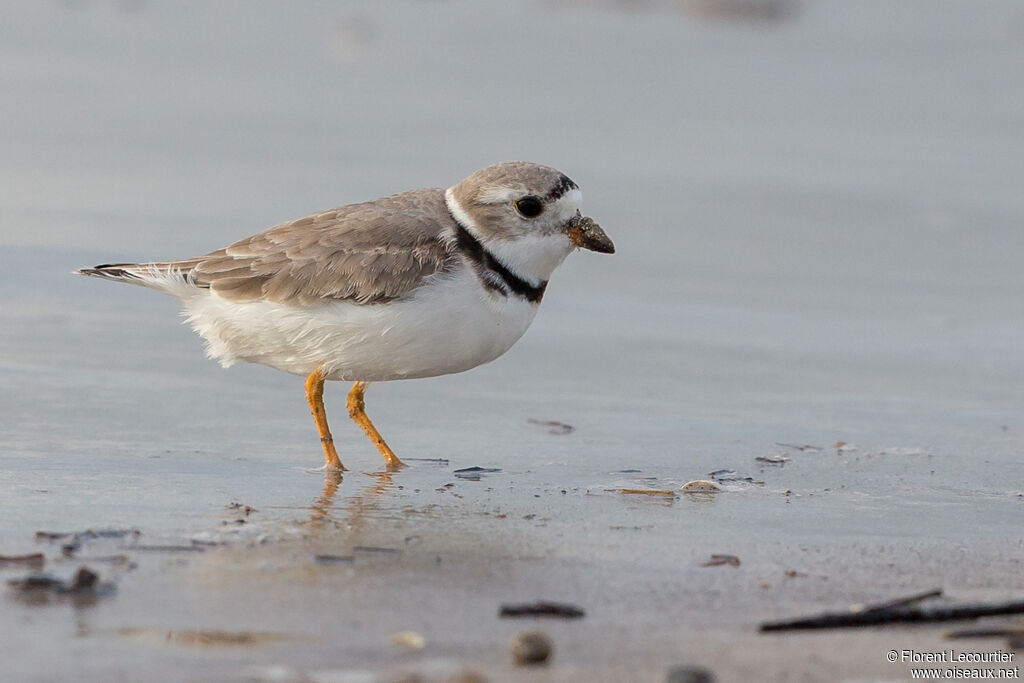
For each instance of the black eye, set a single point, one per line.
(529, 207)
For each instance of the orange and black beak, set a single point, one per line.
(585, 233)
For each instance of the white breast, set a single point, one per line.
(449, 325)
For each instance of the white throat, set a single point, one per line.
(530, 257)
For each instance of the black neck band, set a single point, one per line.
(487, 263)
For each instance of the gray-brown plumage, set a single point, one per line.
(369, 253)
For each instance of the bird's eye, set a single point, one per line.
(529, 207)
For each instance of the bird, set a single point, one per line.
(416, 284)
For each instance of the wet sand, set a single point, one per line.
(817, 219)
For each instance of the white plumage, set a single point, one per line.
(450, 324)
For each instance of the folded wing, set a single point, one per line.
(368, 253)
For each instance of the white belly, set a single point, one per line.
(450, 325)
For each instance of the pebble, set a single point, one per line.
(700, 486)
(405, 677)
(689, 674)
(409, 640)
(466, 676)
(531, 647)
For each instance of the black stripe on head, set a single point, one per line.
(563, 186)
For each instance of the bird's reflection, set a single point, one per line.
(357, 506)
(321, 505)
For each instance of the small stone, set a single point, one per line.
(274, 674)
(85, 580)
(466, 676)
(405, 677)
(531, 647)
(689, 674)
(700, 486)
(409, 640)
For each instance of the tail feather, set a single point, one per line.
(172, 277)
(113, 271)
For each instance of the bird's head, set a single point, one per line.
(527, 215)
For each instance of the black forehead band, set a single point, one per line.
(563, 186)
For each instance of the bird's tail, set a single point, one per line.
(115, 271)
(171, 277)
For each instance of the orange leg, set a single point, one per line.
(315, 396)
(357, 411)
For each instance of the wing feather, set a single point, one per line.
(367, 253)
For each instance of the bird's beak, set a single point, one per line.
(584, 232)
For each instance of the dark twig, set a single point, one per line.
(903, 602)
(986, 632)
(33, 560)
(905, 610)
(542, 609)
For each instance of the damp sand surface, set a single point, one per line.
(814, 304)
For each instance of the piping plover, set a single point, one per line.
(418, 284)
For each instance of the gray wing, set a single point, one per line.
(367, 253)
